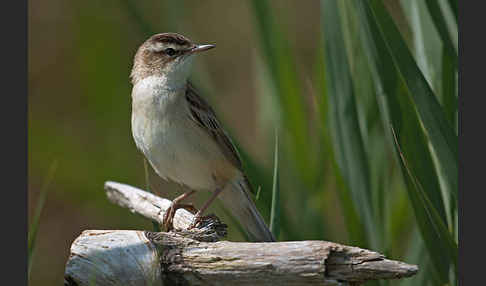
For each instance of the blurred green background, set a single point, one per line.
(363, 95)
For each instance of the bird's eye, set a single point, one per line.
(170, 51)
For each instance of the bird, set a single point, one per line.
(180, 136)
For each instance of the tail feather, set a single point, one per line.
(237, 200)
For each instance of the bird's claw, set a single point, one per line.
(168, 220)
(188, 207)
(201, 219)
(197, 219)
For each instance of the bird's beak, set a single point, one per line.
(201, 48)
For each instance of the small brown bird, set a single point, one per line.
(180, 136)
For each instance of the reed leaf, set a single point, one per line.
(399, 111)
(348, 143)
(449, 87)
(275, 212)
(439, 241)
(34, 226)
(441, 26)
(440, 133)
(281, 65)
(453, 5)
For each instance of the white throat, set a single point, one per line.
(175, 75)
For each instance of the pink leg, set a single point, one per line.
(169, 214)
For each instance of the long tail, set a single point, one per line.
(236, 198)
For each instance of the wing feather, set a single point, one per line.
(203, 115)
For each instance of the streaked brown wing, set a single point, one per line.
(204, 116)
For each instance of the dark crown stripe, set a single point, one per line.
(171, 38)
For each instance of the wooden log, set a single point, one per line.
(197, 257)
(128, 257)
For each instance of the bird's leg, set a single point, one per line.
(199, 214)
(188, 207)
(169, 214)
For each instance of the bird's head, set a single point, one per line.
(167, 55)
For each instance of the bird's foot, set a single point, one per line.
(188, 207)
(199, 220)
(195, 222)
(168, 220)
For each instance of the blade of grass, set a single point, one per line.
(322, 106)
(34, 226)
(348, 143)
(257, 196)
(453, 5)
(449, 97)
(442, 137)
(449, 103)
(426, 40)
(398, 110)
(416, 254)
(419, 41)
(441, 26)
(380, 168)
(368, 115)
(429, 220)
(275, 212)
(281, 65)
(326, 163)
(354, 226)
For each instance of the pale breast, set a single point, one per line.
(175, 146)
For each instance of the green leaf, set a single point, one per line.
(354, 226)
(441, 26)
(275, 212)
(453, 5)
(440, 133)
(34, 226)
(368, 117)
(449, 87)
(416, 254)
(426, 40)
(281, 66)
(398, 109)
(257, 196)
(348, 143)
(433, 228)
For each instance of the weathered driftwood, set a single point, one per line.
(128, 257)
(154, 208)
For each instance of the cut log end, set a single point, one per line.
(357, 265)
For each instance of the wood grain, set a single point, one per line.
(199, 257)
